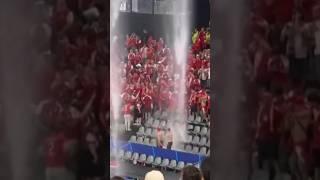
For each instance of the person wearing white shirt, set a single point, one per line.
(295, 35)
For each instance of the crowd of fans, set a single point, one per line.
(150, 78)
(282, 59)
(150, 83)
(73, 99)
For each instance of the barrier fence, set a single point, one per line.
(159, 152)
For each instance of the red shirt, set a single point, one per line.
(131, 42)
(135, 78)
(193, 99)
(137, 90)
(307, 9)
(137, 59)
(127, 109)
(131, 57)
(283, 10)
(206, 63)
(164, 96)
(205, 108)
(147, 102)
(59, 19)
(196, 84)
(54, 150)
(150, 53)
(149, 69)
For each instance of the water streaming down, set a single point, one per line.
(115, 87)
(181, 33)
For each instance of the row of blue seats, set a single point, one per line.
(186, 157)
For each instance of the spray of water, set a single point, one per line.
(115, 86)
(181, 30)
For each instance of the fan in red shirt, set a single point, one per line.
(203, 99)
(261, 66)
(131, 57)
(283, 10)
(150, 53)
(128, 115)
(196, 84)
(62, 16)
(197, 45)
(193, 102)
(137, 59)
(56, 156)
(267, 147)
(278, 112)
(147, 102)
(163, 100)
(131, 41)
(135, 78)
(278, 71)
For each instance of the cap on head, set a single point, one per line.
(154, 175)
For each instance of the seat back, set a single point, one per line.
(140, 140)
(148, 131)
(150, 159)
(135, 156)
(203, 141)
(165, 162)
(188, 147)
(195, 149)
(180, 164)
(157, 160)
(141, 129)
(133, 139)
(198, 119)
(197, 129)
(203, 151)
(153, 142)
(196, 139)
(143, 157)
(154, 133)
(204, 130)
(146, 141)
(173, 163)
(189, 138)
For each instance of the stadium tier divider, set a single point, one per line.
(158, 157)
